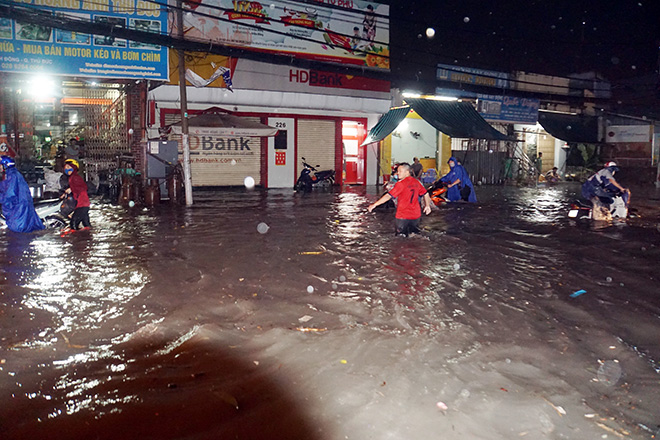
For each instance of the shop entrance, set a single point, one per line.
(355, 165)
(45, 120)
(281, 157)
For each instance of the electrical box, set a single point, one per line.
(162, 157)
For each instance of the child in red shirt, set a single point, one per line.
(408, 210)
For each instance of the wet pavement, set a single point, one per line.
(270, 314)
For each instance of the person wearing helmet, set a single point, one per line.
(16, 200)
(601, 187)
(78, 188)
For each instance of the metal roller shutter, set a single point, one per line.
(316, 143)
(223, 161)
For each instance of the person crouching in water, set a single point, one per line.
(459, 185)
(407, 191)
(78, 188)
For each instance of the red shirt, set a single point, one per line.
(407, 192)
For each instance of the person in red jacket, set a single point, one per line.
(78, 188)
(407, 191)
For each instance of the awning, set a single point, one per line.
(570, 128)
(214, 122)
(387, 124)
(456, 119)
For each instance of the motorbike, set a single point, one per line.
(615, 207)
(310, 177)
(437, 191)
(49, 213)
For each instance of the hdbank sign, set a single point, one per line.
(38, 48)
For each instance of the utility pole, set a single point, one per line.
(187, 178)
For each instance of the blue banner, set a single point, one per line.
(508, 109)
(37, 48)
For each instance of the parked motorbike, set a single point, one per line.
(49, 212)
(617, 208)
(310, 177)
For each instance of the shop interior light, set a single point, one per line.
(42, 87)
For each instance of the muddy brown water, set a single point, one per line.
(233, 318)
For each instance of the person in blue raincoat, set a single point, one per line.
(459, 185)
(16, 200)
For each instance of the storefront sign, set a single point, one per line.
(469, 75)
(37, 48)
(222, 161)
(628, 133)
(509, 109)
(350, 32)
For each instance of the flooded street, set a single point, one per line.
(275, 315)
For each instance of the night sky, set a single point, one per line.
(617, 38)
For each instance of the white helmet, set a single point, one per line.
(610, 164)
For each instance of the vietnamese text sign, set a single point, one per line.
(344, 31)
(37, 48)
(508, 109)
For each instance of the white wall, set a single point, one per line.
(405, 147)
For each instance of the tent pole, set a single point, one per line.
(187, 178)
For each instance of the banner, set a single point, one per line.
(509, 109)
(344, 31)
(37, 48)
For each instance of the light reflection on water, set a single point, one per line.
(470, 260)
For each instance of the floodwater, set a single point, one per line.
(275, 315)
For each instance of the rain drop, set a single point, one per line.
(310, 289)
(131, 204)
(466, 19)
(633, 67)
(334, 286)
(608, 279)
(262, 228)
(342, 278)
(249, 182)
(430, 32)
(457, 266)
(609, 373)
(615, 60)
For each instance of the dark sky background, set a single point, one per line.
(616, 38)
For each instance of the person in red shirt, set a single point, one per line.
(78, 188)
(407, 191)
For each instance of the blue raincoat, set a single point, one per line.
(17, 204)
(458, 172)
